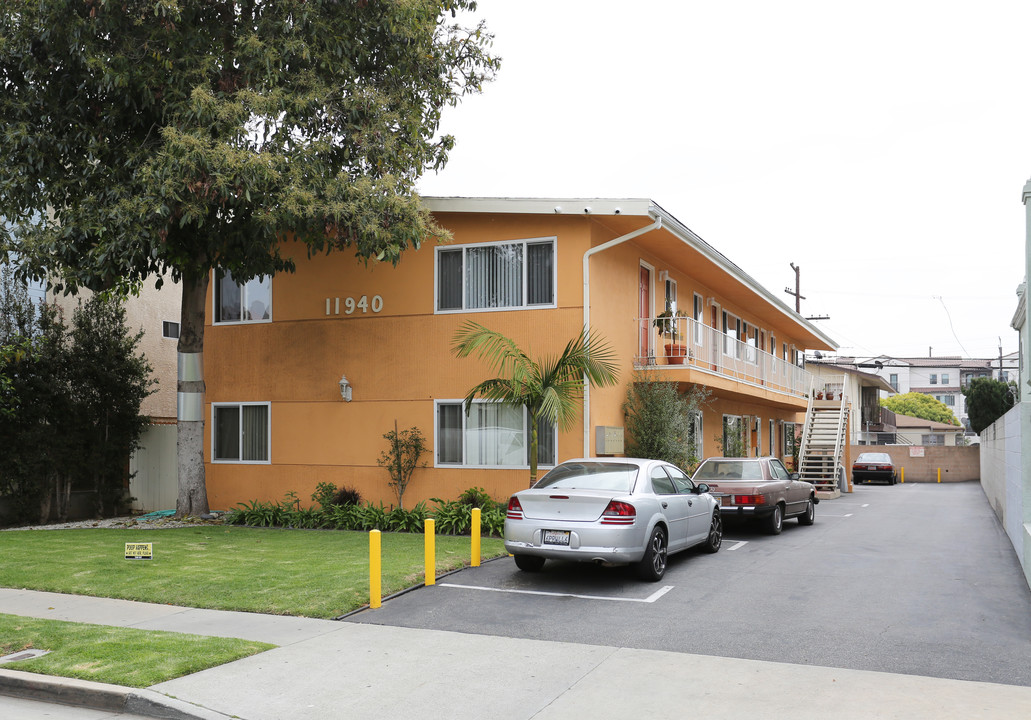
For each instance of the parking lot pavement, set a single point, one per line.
(915, 579)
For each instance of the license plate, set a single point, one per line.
(556, 537)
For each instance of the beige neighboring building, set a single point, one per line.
(917, 431)
(155, 483)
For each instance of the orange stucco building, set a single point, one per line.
(281, 354)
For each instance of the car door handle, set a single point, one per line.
(690, 503)
(665, 505)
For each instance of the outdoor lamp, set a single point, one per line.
(345, 388)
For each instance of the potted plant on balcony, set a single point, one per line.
(669, 325)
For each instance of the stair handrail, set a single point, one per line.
(803, 447)
(841, 422)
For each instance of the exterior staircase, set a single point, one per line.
(823, 442)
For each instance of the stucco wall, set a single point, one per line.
(957, 464)
(1002, 480)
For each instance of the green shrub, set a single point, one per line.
(492, 520)
(410, 521)
(324, 494)
(452, 517)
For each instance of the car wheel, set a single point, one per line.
(809, 516)
(775, 520)
(529, 563)
(653, 565)
(715, 539)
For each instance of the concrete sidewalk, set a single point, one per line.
(327, 669)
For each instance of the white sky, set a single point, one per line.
(880, 146)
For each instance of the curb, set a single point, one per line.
(100, 696)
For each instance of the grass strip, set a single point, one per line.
(311, 573)
(121, 656)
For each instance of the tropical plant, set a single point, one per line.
(551, 389)
(451, 517)
(668, 321)
(659, 423)
(409, 521)
(159, 138)
(401, 458)
(324, 494)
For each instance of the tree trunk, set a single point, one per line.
(193, 495)
(533, 449)
(46, 499)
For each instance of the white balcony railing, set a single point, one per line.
(706, 349)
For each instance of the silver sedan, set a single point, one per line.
(612, 511)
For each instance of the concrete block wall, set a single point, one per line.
(957, 464)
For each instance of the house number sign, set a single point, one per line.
(352, 305)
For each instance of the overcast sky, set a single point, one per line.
(882, 147)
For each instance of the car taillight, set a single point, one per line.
(619, 513)
(515, 510)
(749, 500)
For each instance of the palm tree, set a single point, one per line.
(550, 389)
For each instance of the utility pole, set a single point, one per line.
(797, 292)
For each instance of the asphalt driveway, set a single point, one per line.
(914, 578)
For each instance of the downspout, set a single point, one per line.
(587, 314)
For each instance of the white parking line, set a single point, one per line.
(650, 599)
(823, 515)
(740, 544)
(865, 505)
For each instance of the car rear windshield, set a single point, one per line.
(874, 458)
(729, 470)
(617, 477)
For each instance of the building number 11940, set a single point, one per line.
(351, 305)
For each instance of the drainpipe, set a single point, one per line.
(587, 313)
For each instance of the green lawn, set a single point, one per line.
(122, 656)
(312, 573)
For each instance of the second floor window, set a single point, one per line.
(247, 302)
(502, 276)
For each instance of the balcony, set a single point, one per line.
(684, 344)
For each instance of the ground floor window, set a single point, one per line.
(790, 440)
(734, 442)
(240, 432)
(490, 435)
(695, 438)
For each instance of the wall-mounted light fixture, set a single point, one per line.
(345, 388)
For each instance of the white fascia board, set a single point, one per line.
(639, 207)
(541, 206)
(688, 236)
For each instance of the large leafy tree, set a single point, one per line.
(171, 137)
(918, 405)
(550, 388)
(987, 401)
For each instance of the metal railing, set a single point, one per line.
(683, 341)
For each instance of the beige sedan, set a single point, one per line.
(760, 488)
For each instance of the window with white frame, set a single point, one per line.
(695, 438)
(790, 440)
(671, 293)
(491, 435)
(934, 378)
(238, 303)
(240, 432)
(502, 276)
(734, 443)
(732, 332)
(699, 320)
(945, 378)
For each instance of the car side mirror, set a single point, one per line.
(794, 476)
(701, 488)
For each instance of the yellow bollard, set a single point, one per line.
(431, 554)
(375, 570)
(475, 532)
(902, 471)
(939, 474)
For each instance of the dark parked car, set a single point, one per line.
(758, 488)
(874, 466)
